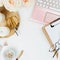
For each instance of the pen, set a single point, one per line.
(20, 54)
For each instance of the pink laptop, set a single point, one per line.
(46, 11)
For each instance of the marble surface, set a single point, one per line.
(31, 38)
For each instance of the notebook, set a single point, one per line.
(43, 7)
(52, 32)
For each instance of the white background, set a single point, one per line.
(31, 38)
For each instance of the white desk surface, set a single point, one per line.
(31, 38)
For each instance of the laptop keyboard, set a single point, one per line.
(49, 4)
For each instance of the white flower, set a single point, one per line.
(12, 5)
(27, 2)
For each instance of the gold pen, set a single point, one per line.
(20, 54)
